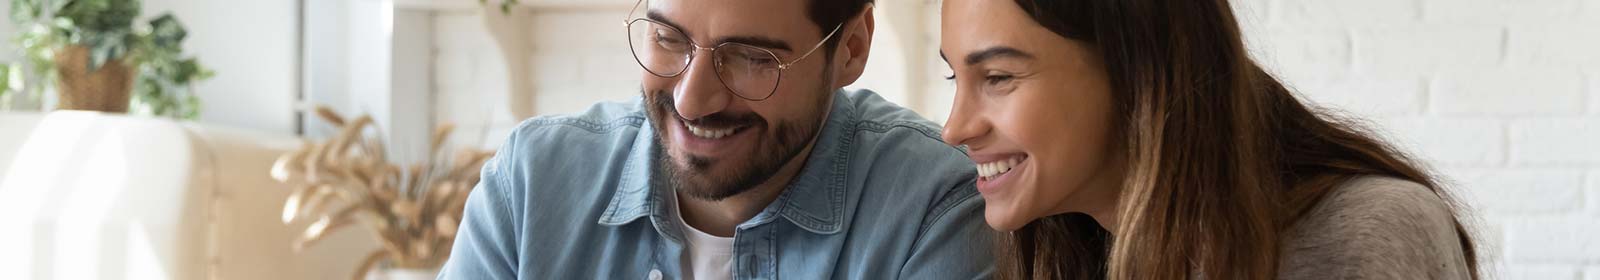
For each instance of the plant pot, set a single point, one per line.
(394, 273)
(105, 89)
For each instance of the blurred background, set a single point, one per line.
(1500, 96)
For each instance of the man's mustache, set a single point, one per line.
(664, 103)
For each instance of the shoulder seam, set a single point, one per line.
(883, 127)
(588, 125)
(952, 198)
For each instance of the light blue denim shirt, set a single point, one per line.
(575, 197)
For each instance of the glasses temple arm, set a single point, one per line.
(814, 48)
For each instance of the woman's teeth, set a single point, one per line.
(991, 170)
(709, 133)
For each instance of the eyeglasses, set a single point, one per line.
(748, 71)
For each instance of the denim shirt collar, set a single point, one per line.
(814, 199)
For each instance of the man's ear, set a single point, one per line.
(854, 46)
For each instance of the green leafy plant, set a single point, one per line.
(10, 82)
(164, 87)
(106, 28)
(505, 5)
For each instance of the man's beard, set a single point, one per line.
(774, 147)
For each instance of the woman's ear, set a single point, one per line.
(854, 47)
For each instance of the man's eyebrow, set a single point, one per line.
(995, 52)
(753, 40)
(656, 16)
(758, 41)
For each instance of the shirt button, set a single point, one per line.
(655, 274)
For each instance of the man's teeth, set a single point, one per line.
(709, 133)
(994, 169)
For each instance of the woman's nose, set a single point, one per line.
(964, 122)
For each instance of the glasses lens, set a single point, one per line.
(750, 72)
(660, 49)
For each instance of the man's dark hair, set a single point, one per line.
(830, 13)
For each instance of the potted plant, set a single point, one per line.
(412, 211)
(505, 5)
(97, 60)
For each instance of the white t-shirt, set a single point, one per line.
(710, 256)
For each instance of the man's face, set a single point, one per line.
(717, 144)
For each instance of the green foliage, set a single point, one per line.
(6, 80)
(505, 5)
(165, 76)
(107, 29)
(40, 34)
(93, 16)
(103, 26)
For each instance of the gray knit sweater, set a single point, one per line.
(1375, 228)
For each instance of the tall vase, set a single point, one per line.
(105, 89)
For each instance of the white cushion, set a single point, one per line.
(87, 195)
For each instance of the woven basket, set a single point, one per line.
(106, 89)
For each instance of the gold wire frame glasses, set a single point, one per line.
(750, 72)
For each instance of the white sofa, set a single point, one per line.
(98, 196)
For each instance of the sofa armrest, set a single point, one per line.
(93, 196)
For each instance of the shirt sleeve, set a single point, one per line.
(486, 244)
(954, 243)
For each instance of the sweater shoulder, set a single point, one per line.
(1375, 228)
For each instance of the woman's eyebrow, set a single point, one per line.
(977, 57)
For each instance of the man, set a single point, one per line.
(744, 160)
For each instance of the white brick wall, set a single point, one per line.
(1501, 96)
(1593, 192)
(1459, 141)
(1593, 94)
(1566, 141)
(1498, 95)
(1512, 92)
(1532, 239)
(580, 56)
(1522, 192)
(1541, 271)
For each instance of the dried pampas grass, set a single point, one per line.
(413, 211)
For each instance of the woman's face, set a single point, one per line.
(1035, 110)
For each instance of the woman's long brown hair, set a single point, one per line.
(1222, 158)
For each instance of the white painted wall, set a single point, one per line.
(8, 30)
(1501, 96)
(327, 57)
(252, 45)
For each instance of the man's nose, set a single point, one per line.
(699, 92)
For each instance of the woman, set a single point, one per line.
(1135, 139)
